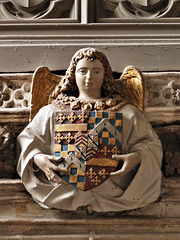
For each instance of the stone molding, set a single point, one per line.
(159, 220)
(41, 9)
(90, 10)
(137, 9)
(150, 46)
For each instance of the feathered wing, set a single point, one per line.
(133, 86)
(43, 83)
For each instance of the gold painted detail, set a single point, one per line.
(132, 82)
(102, 162)
(70, 127)
(103, 173)
(95, 138)
(91, 173)
(60, 118)
(59, 138)
(69, 137)
(81, 186)
(96, 181)
(83, 117)
(72, 117)
(115, 150)
(105, 150)
(78, 154)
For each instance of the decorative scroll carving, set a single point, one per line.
(40, 9)
(14, 93)
(142, 8)
(162, 89)
(170, 138)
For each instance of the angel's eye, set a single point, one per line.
(82, 71)
(97, 72)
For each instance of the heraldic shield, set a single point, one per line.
(86, 142)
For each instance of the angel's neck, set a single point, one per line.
(89, 97)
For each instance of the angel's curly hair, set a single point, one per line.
(68, 84)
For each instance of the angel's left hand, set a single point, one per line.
(130, 161)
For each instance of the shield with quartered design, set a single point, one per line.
(86, 141)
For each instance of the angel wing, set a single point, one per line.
(133, 86)
(43, 83)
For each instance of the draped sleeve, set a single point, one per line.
(144, 185)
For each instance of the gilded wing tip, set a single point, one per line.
(132, 83)
(41, 69)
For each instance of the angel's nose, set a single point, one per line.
(88, 75)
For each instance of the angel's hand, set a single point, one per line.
(130, 161)
(45, 163)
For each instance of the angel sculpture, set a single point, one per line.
(91, 144)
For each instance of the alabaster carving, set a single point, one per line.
(25, 9)
(91, 145)
(142, 8)
(162, 90)
(15, 91)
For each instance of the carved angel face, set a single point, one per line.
(71, 87)
(89, 78)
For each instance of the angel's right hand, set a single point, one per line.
(45, 163)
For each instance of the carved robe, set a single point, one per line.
(136, 189)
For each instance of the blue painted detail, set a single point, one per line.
(119, 128)
(112, 121)
(118, 143)
(73, 171)
(92, 114)
(98, 120)
(111, 136)
(81, 178)
(82, 160)
(105, 130)
(105, 114)
(57, 154)
(64, 147)
(66, 178)
(100, 135)
(105, 141)
(118, 115)
(90, 125)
